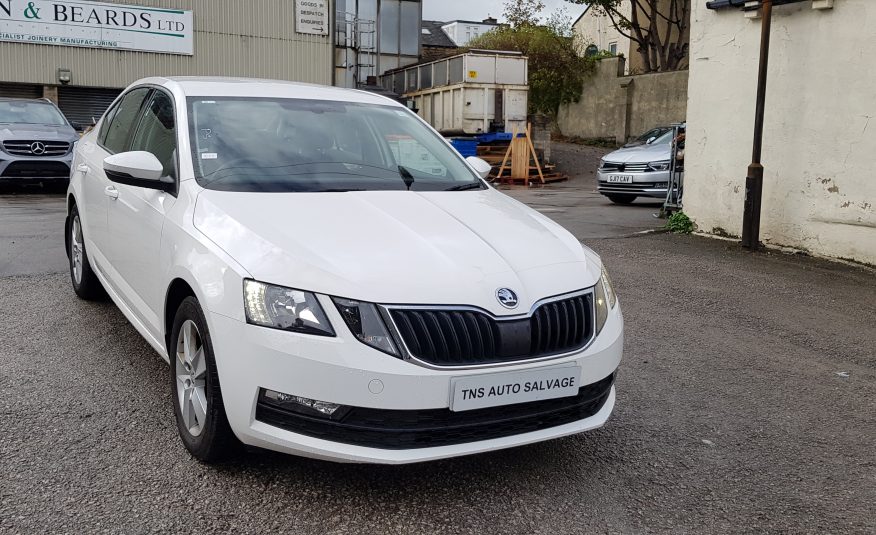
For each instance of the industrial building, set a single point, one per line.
(80, 54)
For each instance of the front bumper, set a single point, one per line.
(395, 396)
(38, 169)
(648, 184)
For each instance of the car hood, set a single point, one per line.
(640, 154)
(38, 132)
(399, 246)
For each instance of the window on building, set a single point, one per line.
(367, 9)
(612, 47)
(409, 33)
(389, 22)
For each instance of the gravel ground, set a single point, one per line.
(745, 404)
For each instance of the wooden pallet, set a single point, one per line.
(521, 153)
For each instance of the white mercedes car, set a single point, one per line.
(327, 277)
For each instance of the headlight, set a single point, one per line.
(606, 299)
(284, 308)
(365, 322)
(659, 166)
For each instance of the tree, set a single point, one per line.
(522, 12)
(556, 71)
(657, 27)
(560, 21)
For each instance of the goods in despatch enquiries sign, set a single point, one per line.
(97, 25)
(311, 16)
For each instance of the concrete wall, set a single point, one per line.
(617, 106)
(820, 133)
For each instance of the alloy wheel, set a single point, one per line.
(191, 377)
(76, 249)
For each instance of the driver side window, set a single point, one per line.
(118, 131)
(156, 132)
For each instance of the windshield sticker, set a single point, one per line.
(209, 156)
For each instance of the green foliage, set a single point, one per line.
(556, 71)
(679, 223)
(522, 12)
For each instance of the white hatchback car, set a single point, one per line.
(327, 277)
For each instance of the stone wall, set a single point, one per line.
(616, 106)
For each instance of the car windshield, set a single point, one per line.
(665, 138)
(28, 112)
(654, 133)
(299, 145)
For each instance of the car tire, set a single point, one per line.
(85, 282)
(621, 199)
(196, 394)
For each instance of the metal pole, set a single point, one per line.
(754, 179)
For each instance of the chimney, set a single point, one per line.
(490, 20)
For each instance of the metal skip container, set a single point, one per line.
(473, 93)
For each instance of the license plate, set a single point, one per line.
(495, 389)
(623, 179)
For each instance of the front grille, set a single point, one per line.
(614, 167)
(453, 337)
(410, 429)
(36, 148)
(36, 169)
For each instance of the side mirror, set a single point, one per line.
(137, 168)
(481, 167)
(77, 126)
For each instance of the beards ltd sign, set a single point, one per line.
(97, 25)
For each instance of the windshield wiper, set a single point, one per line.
(462, 187)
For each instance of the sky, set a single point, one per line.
(481, 9)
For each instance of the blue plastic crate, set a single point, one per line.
(465, 147)
(495, 136)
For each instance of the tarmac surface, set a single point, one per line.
(745, 404)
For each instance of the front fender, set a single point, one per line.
(215, 278)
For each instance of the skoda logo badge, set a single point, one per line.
(507, 298)
(37, 148)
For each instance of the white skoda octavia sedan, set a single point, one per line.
(327, 277)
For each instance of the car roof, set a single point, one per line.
(217, 86)
(34, 100)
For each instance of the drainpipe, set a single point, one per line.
(754, 179)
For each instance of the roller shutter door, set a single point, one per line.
(84, 104)
(21, 91)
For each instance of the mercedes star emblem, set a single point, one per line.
(37, 148)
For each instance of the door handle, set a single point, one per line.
(82, 168)
(111, 192)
